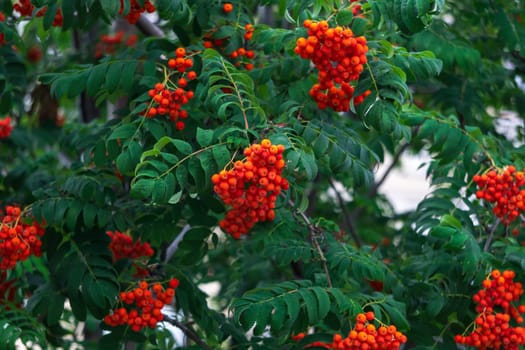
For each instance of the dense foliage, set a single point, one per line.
(151, 148)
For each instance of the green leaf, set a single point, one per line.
(110, 7)
(204, 137)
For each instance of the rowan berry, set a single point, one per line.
(503, 187)
(339, 58)
(122, 246)
(6, 127)
(18, 238)
(136, 9)
(148, 300)
(247, 189)
(227, 7)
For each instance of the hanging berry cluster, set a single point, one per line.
(25, 8)
(18, 240)
(6, 127)
(251, 187)
(503, 187)
(339, 57)
(494, 305)
(241, 56)
(365, 335)
(141, 306)
(168, 97)
(136, 9)
(109, 44)
(122, 246)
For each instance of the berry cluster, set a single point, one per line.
(493, 329)
(251, 187)
(339, 57)
(170, 96)
(356, 7)
(123, 247)
(109, 44)
(18, 240)
(365, 336)
(25, 8)
(5, 127)
(142, 306)
(136, 9)
(242, 56)
(503, 187)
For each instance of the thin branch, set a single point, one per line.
(172, 248)
(314, 231)
(189, 332)
(488, 242)
(149, 29)
(373, 190)
(347, 216)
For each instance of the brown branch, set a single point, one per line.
(374, 189)
(314, 231)
(488, 242)
(349, 225)
(189, 332)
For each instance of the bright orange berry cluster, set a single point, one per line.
(109, 44)
(339, 57)
(251, 187)
(170, 96)
(6, 127)
(136, 10)
(142, 306)
(25, 8)
(18, 239)
(365, 336)
(493, 329)
(503, 187)
(241, 56)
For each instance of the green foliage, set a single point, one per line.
(83, 159)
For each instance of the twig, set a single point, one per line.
(188, 331)
(346, 216)
(313, 232)
(373, 190)
(148, 28)
(491, 236)
(172, 248)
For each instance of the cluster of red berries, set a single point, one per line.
(136, 9)
(6, 127)
(142, 306)
(339, 57)
(503, 187)
(25, 8)
(170, 96)
(122, 246)
(493, 329)
(364, 336)
(251, 187)
(109, 44)
(18, 239)
(241, 56)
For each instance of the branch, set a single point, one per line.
(347, 216)
(491, 236)
(172, 248)
(189, 332)
(373, 190)
(313, 232)
(149, 29)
